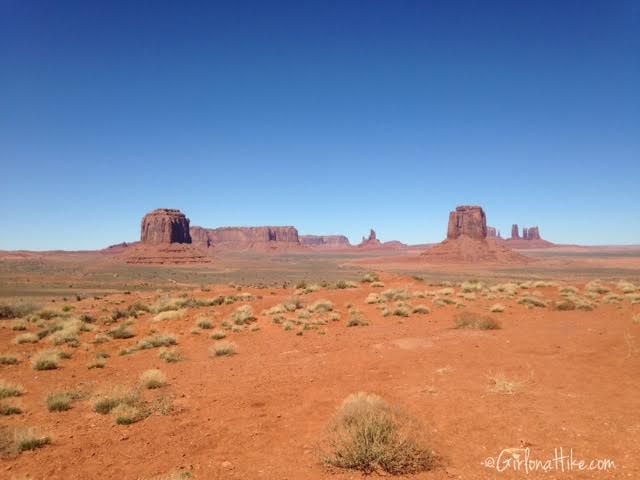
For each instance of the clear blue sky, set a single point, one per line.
(333, 116)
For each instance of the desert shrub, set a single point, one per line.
(367, 434)
(218, 335)
(8, 360)
(97, 363)
(223, 349)
(569, 290)
(342, 284)
(287, 326)
(16, 310)
(169, 315)
(19, 326)
(26, 338)
(421, 309)
(46, 360)
(321, 306)
(157, 340)
(373, 298)
(612, 298)
(377, 285)
(532, 301)
(7, 409)
(395, 294)
(21, 439)
(499, 383)
(107, 401)
(126, 414)
(497, 308)
(122, 332)
(475, 321)
(445, 291)
(10, 390)
(170, 355)
(357, 322)
(626, 287)
(564, 305)
(61, 402)
(401, 310)
(153, 379)
(275, 310)
(243, 315)
(369, 278)
(595, 286)
(205, 324)
(472, 286)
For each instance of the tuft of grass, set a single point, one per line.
(28, 439)
(205, 324)
(377, 285)
(169, 315)
(16, 310)
(497, 308)
(373, 298)
(367, 434)
(473, 320)
(243, 315)
(369, 278)
(218, 335)
(499, 383)
(421, 309)
(153, 379)
(321, 306)
(126, 414)
(357, 322)
(10, 390)
(157, 340)
(532, 301)
(61, 402)
(121, 333)
(106, 402)
(7, 409)
(8, 360)
(46, 360)
(224, 348)
(97, 363)
(26, 338)
(170, 355)
(565, 305)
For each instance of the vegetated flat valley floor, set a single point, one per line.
(257, 353)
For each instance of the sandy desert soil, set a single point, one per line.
(569, 378)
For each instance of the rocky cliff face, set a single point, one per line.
(469, 221)
(241, 236)
(531, 233)
(493, 233)
(165, 226)
(325, 241)
(371, 240)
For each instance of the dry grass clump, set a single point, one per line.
(612, 298)
(421, 309)
(596, 287)
(565, 305)
(19, 326)
(569, 290)
(224, 348)
(126, 414)
(169, 315)
(26, 338)
(124, 404)
(370, 278)
(626, 287)
(636, 319)
(20, 439)
(61, 402)
(16, 310)
(367, 434)
(9, 408)
(401, 309)
(342, 284)
(445, 291)
(243, 315)
(10, 390)
(472, 286)
(377, 285)
(396, 294)
(153, 379)
(122, 332)
(157, 340)
(46, 360)
(533, 301)
(497, 308)
(373, 298)
(218, 335)
(170, 355)
(321, 306)
(205, 324)
(499, 383)
(475, 321)
(8, 360)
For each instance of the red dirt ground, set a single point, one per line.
(261, 413)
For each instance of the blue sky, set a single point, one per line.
(333, 116)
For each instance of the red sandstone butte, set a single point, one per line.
(165, 226)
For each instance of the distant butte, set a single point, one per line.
(467, 241)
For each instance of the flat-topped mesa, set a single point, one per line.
(469, 221)
(242, 236)
(165, 226)
(325, 241)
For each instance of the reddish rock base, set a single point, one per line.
(470, 250)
